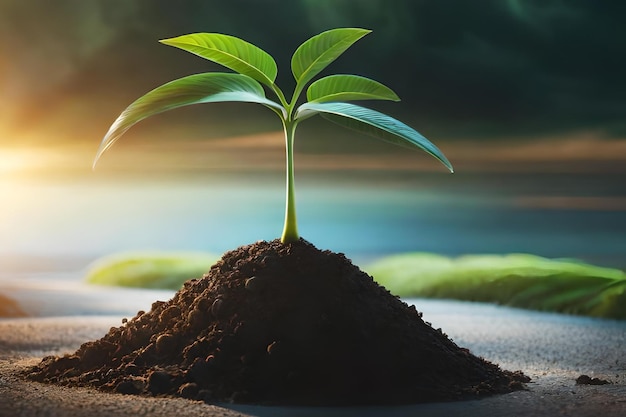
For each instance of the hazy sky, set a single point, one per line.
(479, 68)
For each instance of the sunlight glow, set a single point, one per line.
(20, 161)
(39, 162)
(12, 161)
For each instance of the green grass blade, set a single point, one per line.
(344, 87)
(373, 123)
(231, 52)
(193, 89)
(319, 51)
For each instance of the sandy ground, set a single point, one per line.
(552, 349)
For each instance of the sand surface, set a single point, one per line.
(552, 349)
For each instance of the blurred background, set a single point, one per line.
(527, 98)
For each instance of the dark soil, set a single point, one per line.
(281, 324)
(587, 380)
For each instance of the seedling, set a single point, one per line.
(256, 69)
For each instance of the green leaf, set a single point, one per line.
(163, 270)
(231, 52)
(373, 123)
(517, 280)
(348, 87)
(316, 53)
(194, 89)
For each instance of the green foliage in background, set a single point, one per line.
(154, 270)
(524, 281)
(516, 280)
(255, 72)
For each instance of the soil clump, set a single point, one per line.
(587, 380)
(274, 323)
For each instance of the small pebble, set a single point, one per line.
(129, 387)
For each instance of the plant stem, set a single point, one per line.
(290, 230)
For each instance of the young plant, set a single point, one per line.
(256, 69)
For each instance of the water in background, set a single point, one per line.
(57, 224)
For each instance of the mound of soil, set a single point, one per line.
(277, 323)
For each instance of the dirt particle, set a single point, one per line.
(195, 318)
(159, 382)
(273, 348)
(170, 313)
(165, 344)
(200, 370)
(188, 390)
(587, 380)
(129, 386)
(255, 284)
(217, 307)
(132, 369)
